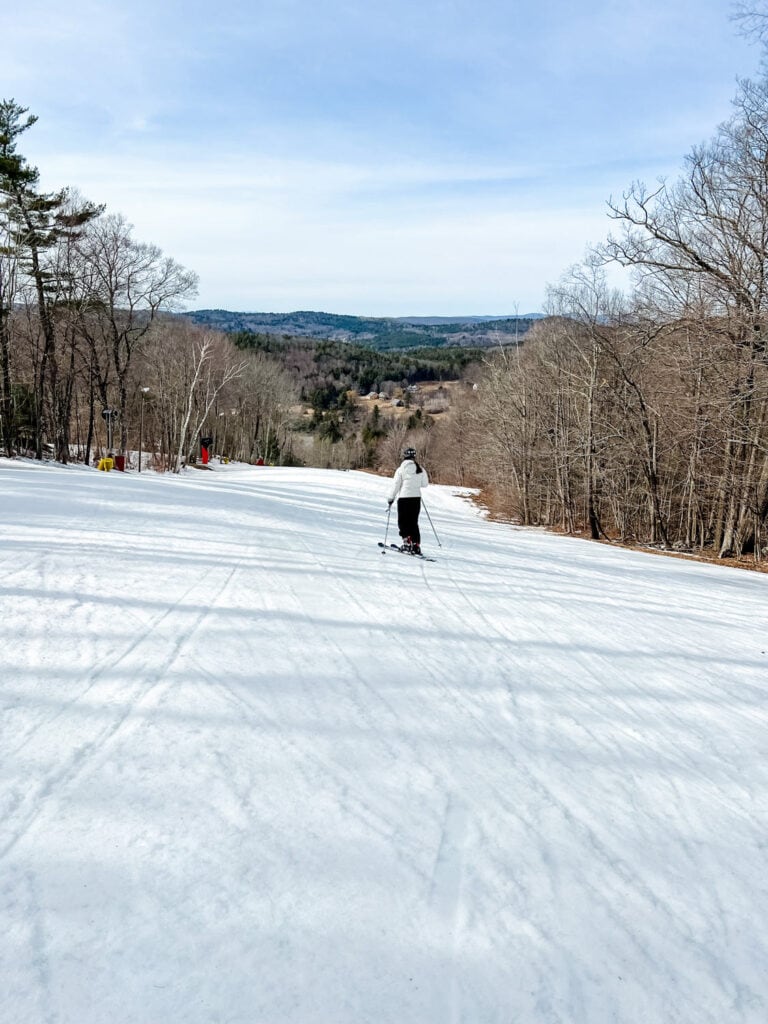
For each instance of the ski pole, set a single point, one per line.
(386, 531)
(429, 517)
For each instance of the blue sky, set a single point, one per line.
(389, 158)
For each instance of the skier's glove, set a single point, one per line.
(389, 502)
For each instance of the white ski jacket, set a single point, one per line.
(407, 483)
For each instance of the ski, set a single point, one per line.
(394, 547)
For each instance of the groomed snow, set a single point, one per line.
(252, 771)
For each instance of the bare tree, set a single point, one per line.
(209, 376)
(132, 283)
(712, 227)
(751, 18)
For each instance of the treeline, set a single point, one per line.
(645, 417)
(90, 358)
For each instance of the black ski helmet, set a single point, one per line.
(409, 453)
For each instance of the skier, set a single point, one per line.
(408, 481)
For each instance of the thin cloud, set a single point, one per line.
(440, 156)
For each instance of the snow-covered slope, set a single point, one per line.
(252, 770)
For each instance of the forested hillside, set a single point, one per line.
(357, 366)
(376, 332)
(354, 406)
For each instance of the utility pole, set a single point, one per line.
(144, 393)
(109, 415)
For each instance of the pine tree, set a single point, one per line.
(31, 223)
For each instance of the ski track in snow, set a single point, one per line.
(251, 770)
(445, 895)
(28, 807)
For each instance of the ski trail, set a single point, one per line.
(543, 793)
(445, 898)
(107, 666)
(354, 797)
(82, 755)
(524, 784)
(40, 961)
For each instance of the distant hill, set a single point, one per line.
(377, 332)
(439, 320)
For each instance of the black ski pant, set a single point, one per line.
(408, 518)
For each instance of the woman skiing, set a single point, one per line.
(408, 482)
